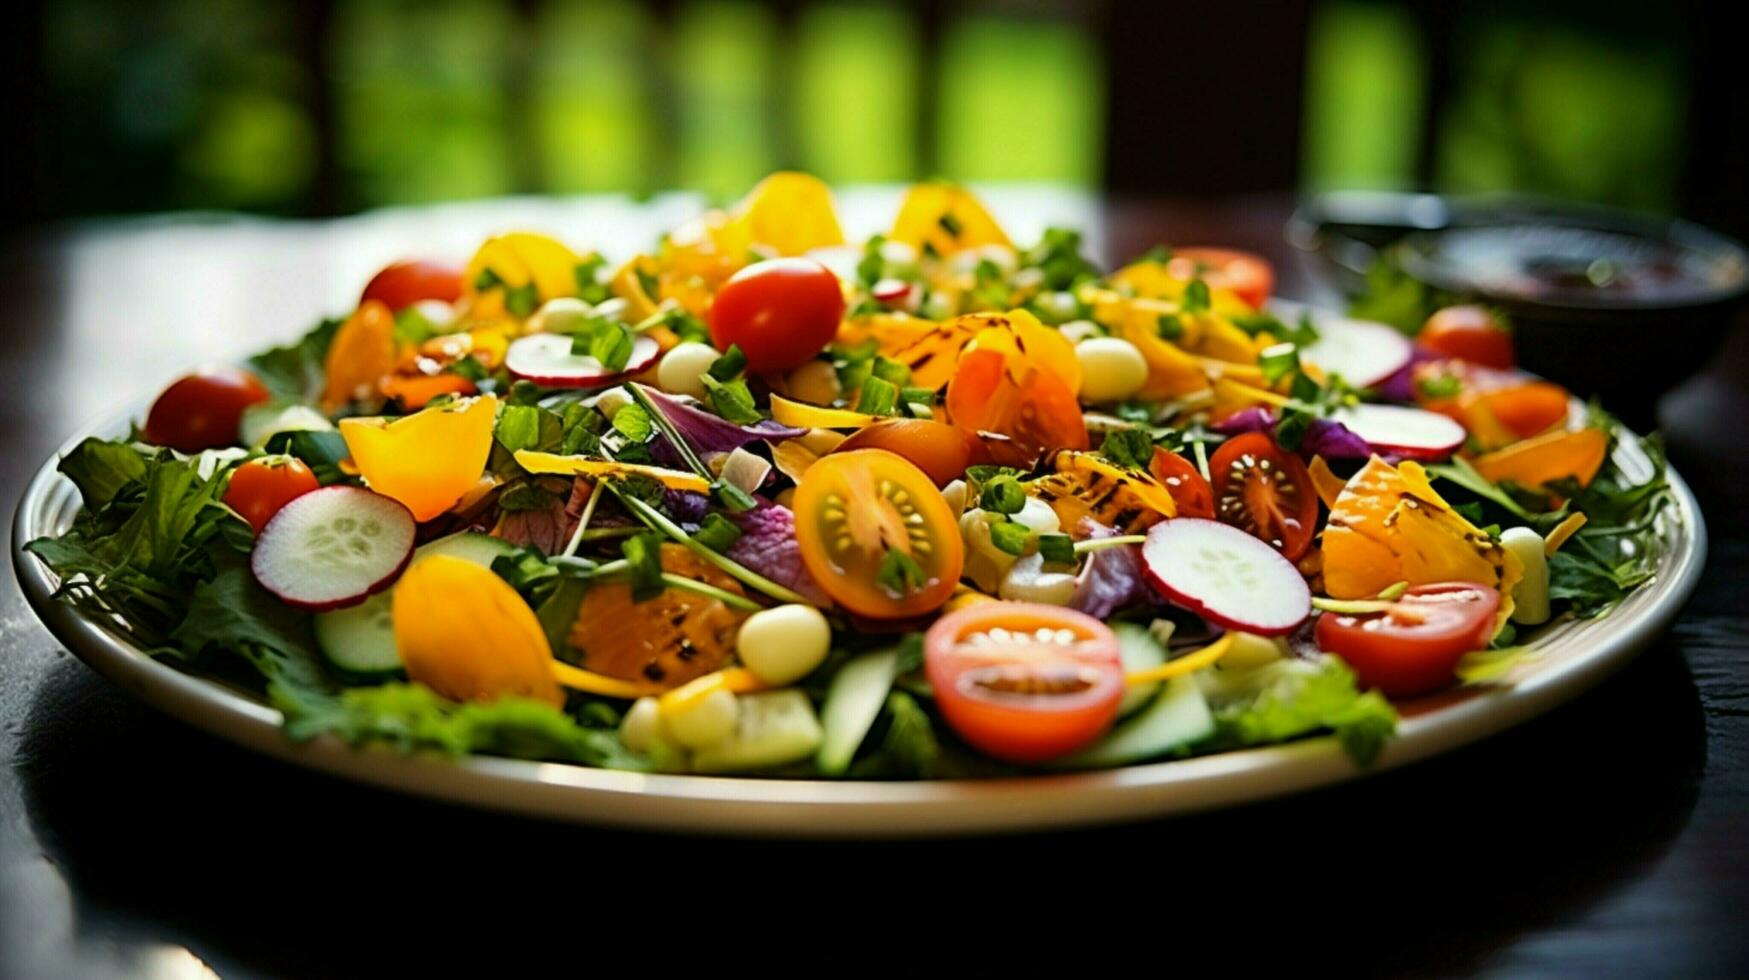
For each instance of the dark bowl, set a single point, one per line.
(1609, 303)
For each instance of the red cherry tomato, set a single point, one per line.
(260, 487)
(1247, 276)
(1265, 492)
(1192, 493)
(1471, 333)
(1412, 647)
(404, 283)
(781, 312)
(1024, 681)
(201, 410)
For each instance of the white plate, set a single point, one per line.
(1575, 655)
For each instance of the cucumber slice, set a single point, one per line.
(776, 729)
(1138, 650)
(1176, 718)
(359, 641)
(852, 704)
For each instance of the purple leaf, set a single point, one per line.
(767, 545)
(1254, 419)
(1333, 440)
(1400, 387)
(708, 434)
(1111, 577)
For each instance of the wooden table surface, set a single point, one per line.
(1608, 837)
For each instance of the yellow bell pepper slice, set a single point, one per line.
(361, 354)
(517, 260)
(1021, 338)
(1192, 661)
(628, 286)
(466, 634)
(801, 415)
(790, 212)
(427, 460)
(947, 217)
(594, 469)
(1152, 280)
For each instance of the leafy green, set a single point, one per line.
(1129, 448)
(1290, 698)
(730, 365)
(296, 370)
(140, 554)
(100, 469)
(322, 451)
(732, 400)
(1196, 297)
(899, 573)
(608, 341)
(634, 423)
(643, 557)
(1393, 296)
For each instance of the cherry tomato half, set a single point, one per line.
(781, 312)
(1265, 492)
(1471, 333)
(1192, 493)
(1024, 681)
(201, 410)
(1036, 409)
(1412, 647)
(1247, 276)
(260, 487)
(938, 449)
(877, 535)
(402, 284)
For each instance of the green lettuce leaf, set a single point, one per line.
(296, 370)
(1290, 698)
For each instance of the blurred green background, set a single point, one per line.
(323, 108)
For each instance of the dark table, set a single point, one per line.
(1608, 837)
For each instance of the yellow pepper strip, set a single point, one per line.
(792, 457)
(1021, 338)
(595, 468)
(735, 680)
(1194, 660)
(790, 212)
(640, 305)
(517, 260)
(931, 209)
(801, 415)
(1562, 531)
(589, 682)
(466, 634)
(1327, 484)
(1232, 397)
(427, 460)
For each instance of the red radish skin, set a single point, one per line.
(546, 360)
(1412, 433)
(313, 559)
(1226, 576)
(1364, 353)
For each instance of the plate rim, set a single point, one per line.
(754, 806)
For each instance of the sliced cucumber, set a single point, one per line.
(1174, 719)
(853, 702)
(1138, 650)
(776, 729)
(360, 640)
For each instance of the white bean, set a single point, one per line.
(559, 315)
(641, 729)
(681, 369)
(815, 382)
(1531, 597)
(783, 645)
(705, 721)
(1112, 369)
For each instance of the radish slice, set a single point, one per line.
(1225, 576)
(546, 360)
(1364, 353)
(1412, 432)
(333, 548)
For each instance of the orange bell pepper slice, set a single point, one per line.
(466, 634)
(417, 390)
(361, 353)
(1547, 458)
(427, 460)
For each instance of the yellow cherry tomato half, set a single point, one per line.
(465, 633)
(426, 460)
(877, 535)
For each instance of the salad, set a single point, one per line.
(761, 501)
